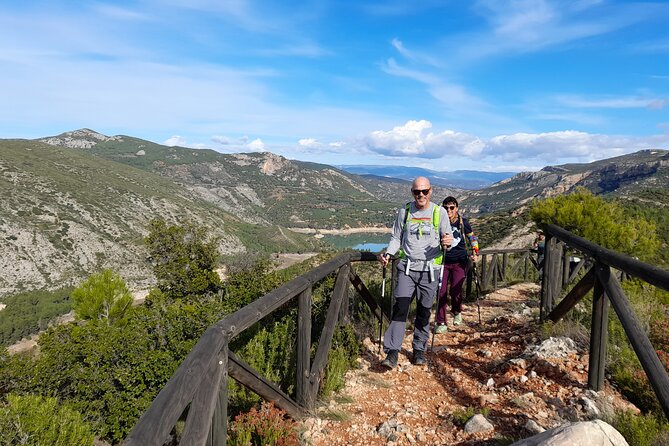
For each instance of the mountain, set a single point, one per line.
(81, 201)
(66, 213)
(461, 179)
(628, 176)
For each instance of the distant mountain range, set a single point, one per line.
(633, 176)
(74, 203)
(460, 179)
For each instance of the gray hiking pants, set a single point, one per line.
(418, 282)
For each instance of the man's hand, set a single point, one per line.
(446, 241)
(384, 258)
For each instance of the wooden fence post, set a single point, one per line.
(304, 349)
(599, 335)
(219, 423)
(565, 267)
(655, 371)
(547, 277)
(494, 270)
(526, 258)
(483, 271)
(502, 275)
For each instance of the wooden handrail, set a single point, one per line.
(649, 273)
(201, 379)
(606, 289)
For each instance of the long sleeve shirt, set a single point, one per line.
(418, 238)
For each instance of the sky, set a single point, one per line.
(480, 84)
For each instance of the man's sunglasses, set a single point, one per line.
(450, 206)
(417, 192)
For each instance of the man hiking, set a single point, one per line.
(420, 231)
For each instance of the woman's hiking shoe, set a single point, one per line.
(457, 319)
(441, 329)
(419, 358)
(391, 359)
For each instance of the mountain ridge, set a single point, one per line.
(80, 201)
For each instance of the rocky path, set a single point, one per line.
(500, 368)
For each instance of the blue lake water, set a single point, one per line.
(372, 247)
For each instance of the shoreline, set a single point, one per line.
(345, 231)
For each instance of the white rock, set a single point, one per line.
(478, 423)
(584, 433)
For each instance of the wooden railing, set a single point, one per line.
(201, 381)
(601, 278)
(504, 265)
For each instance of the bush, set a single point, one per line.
(34, 420)
(183, 259)
(602, 222)
(103, 296)
(28, 313)
(641, 430)
(267, 426)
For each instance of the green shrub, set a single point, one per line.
(183, 258)
(265, 427)
(37, 421)
(641, 430)
(103, 296)
(602, 222)
(30, 312)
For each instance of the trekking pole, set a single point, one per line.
(383, 295)
(478, 289)
(434, 327)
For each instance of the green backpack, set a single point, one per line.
(436, 215)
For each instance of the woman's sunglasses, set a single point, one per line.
(450, 207)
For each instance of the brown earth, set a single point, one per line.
(470, 367)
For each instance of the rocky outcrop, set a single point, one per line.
(584, 433)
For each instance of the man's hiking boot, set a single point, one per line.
(391, 359)
(441, 329)
(419, 358)
(457, 319)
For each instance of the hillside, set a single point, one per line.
(80, 201)
(65, 214)
(626, 176)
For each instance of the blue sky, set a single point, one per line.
(485, 85)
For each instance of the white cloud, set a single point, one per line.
(223, 140)
(256, 145)
(309, 143)
(520, 26)
(452, 96)
(413, 140)
(176, 140)
(618, 102)
(558, 146)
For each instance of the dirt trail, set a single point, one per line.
(470, 367)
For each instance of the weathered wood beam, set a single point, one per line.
(303, 367)
(599, 335)
(199, 427)
(325, 340)
(253, 380)
(657, 375)
(574, 296)
(365, 294)
(650, 273)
